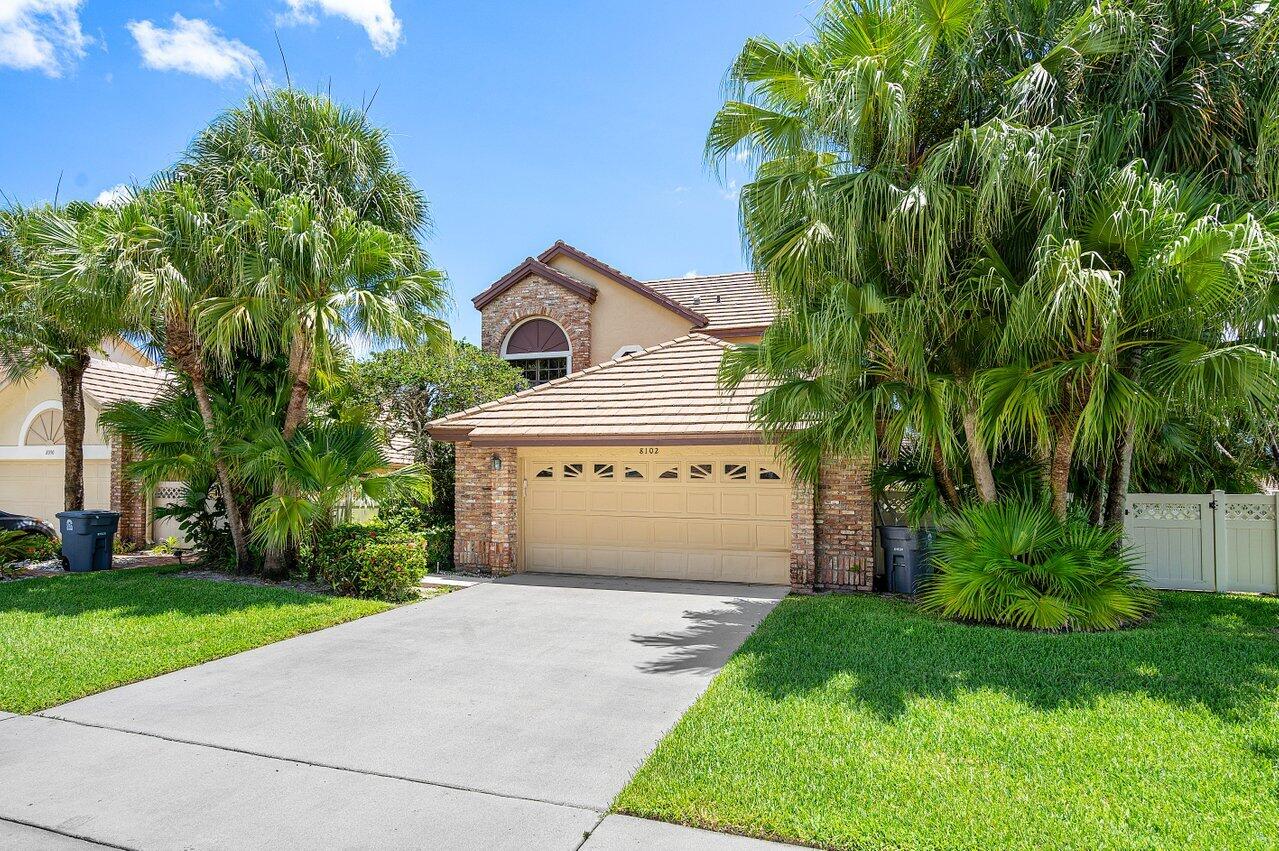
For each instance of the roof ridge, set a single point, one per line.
(129, 367)
(678, 278)
(628, 359)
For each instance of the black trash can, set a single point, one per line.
(905, 557)
(87, 537)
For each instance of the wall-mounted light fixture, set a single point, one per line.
(497, 461)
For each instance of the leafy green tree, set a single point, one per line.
(57, 305)
(406, 388)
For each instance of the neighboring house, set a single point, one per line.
(626, 457)
(32, 449)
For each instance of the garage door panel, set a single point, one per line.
(702, 502)
(770, 536)
(672, 502)
(36, 487)
(724, 523)
(773, 505)
(736, 504)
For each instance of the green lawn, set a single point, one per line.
(855, 722)
(69, 636)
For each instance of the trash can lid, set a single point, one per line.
(90, 512)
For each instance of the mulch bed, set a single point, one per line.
(53, 567)
(293, 584)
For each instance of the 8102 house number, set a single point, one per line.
(649, 450)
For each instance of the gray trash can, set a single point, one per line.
(87, 537)
(905, 557)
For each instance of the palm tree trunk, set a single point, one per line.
(275, 564)
(71, 387)
(1120, 476)
(978, 458)
(944, 480)
(300, 363)
(1060, 461)
(183, 349)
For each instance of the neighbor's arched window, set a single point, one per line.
(539, 348)
(43, 426)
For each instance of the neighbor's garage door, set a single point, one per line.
(717, 513)
(35, 487)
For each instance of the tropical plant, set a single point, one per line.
(57, 305)
(369, 560)
(405, 388)
(1006, 228)
(1015, 563)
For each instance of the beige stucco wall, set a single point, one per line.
(121, 351)
(17, 400)
(621, 317)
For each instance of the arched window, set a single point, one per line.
(43, 426)
(539, 348)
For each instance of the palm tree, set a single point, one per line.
(57, 305)
(941, 162)
(332, 226)
(174, 247)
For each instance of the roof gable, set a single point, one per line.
(563, 249)
(534, 266)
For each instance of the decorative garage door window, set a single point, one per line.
(45, 429)
(727, 472)
(539, 348)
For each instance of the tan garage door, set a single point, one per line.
(716, 513)
(35, 487)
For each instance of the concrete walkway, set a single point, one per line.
(507, 715)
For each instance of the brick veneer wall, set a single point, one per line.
(127, 497)
(536, 296)
(485, 510)
(844, 526)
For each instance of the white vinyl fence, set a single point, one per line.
(1215, 542)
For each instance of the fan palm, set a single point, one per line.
(939, 194)
(57, 304)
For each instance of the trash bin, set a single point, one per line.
(87, 537)
(905, 557)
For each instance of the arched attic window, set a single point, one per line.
(43, 426)
(539, 348)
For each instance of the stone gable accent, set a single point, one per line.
(536, 296)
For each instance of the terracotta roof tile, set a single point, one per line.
(109, 381)
(735, 300)
(668, 390)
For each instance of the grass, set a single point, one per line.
(69, 636)
(857, 722)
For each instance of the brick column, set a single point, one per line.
(802, 552)
(845, 525)
(486, 509)
(126, 497)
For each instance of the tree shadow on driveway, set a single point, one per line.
(711, 637)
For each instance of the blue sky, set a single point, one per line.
(524, 122)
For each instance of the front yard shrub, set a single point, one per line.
(439, 546)
(37, 548)
(370, 560)
(1016, 564)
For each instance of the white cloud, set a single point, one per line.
(743, 155)
(691, 273)
(731, 191)
(115, 195)
(193, 46)
(41, 35)
(375, 16)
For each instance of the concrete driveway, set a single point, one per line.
(507, 715)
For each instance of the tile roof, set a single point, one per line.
(399, 450)
(735, 300)
(669, 391)
(563, 249)
(108, 381)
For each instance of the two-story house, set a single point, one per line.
(627, 457)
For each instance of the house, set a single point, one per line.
(32, 450)
(626, 457)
